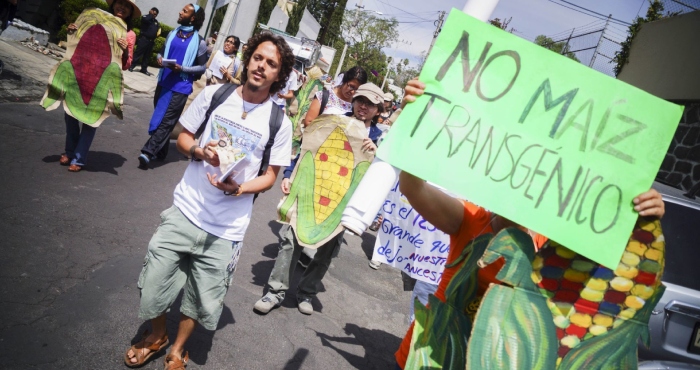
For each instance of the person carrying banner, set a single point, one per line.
(78, 140)
(150, 29)
(185, 54)
(366, 106)
(464, 221)
(199, 240)
(337, 100)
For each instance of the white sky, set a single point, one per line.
(530, 18)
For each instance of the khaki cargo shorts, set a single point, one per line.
(182, 255)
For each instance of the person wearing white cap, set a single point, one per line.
(388, 101)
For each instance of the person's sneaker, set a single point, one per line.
(267, 303)
(304, 260)
(374, 264)
(144, 161)
(305, 306)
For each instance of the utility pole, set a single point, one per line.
(387, 71)
(345, 48)
(226, 23)
(566, 47)
(438, 27)
(600, 40)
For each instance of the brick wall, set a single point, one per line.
(681, 167)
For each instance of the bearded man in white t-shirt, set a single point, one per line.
(199, 240)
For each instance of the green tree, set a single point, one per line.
(560, 47)
(329, 14)
(295, 17)
(402, 73)
(218, 19)
(367, 35)
(264, 13)
(502, 24)
(654, 13)
(71, 9)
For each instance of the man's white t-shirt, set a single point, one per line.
(291, 85)
(206, 206)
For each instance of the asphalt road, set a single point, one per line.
(73, 245)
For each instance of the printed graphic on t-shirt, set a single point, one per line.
(235, 144)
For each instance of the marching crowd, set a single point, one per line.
(199, 241)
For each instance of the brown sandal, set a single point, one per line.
(64, 161)
(174, 363)
(139, 347)
(74, 168)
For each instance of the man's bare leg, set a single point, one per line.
(157, 332)
(184, 331)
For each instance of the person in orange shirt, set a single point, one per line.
(464, 221)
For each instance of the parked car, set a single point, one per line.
(675, 322)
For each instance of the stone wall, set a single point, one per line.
(681, 167)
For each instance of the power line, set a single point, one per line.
(590, 15)
(403, 10)
(594, 12)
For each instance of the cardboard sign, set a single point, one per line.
(330, 166)
(533, 136)
(408, 242)
(89, 78)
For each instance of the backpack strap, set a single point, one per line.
(219, 97)
(324, 100)
(276, 118)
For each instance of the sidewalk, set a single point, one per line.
(26, 74)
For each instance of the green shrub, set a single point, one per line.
(71, 9)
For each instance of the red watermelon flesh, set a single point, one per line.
(91, 57)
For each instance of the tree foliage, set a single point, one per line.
(502, 24)
(71, 9)
(264, 13)
(654, 12)
(402, 73)
(367, 35)
(329, 14)
(218, 19)
(560, 47)
(295, 17)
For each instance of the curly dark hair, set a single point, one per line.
(286, 58)
(355, 73)
(198, 18)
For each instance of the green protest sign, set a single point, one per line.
(533, 136)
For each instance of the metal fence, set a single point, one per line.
(596, 43)
(593, 44)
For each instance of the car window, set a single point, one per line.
(681, 228)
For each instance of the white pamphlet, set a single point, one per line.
(168, 62)
(219, 60)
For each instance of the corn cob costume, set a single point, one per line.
(330, 167)
(555, 309)
(89, 78)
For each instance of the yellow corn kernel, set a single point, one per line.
(575, 276)
(648, 226)
(570, 341)
(634, 302)
(581, 319)
(636, 247)
(537, 263)
(599, 329)
(630, 259)
(621, 284)
(561, 322)
(603, 320)
(627, 313)
(626, 271)
(659, 245)
(642, 291)
(564, 252)
(597, 284)
(653, 254)
(536, 277)
(592, 295)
